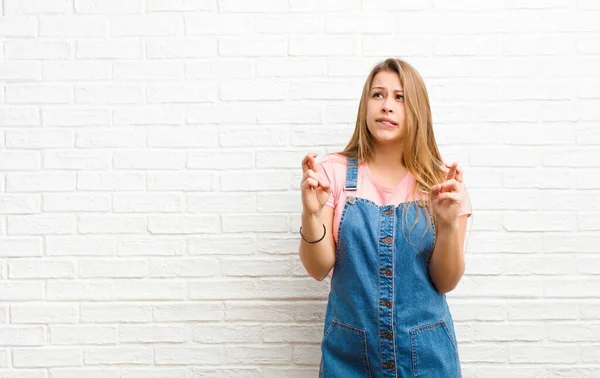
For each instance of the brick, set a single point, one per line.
(184, 181)
(40, 269)
(109, 94)
(22, 290)
(188, 311)
(153, 334)
(147, 203)
(181, 5)
(267, 288)
(77, 160)
(263, 354)
(20, 70)
(37, 138)
(152, 245)
(21, 246)
(36, 7)
(323, 45)
(80, 246)
(74, 117)
(111, 181)
(150, 290)
(148, 70)
(218, 24)
(183, 224)
(17, 336)
(186, 267)
(121, 48)
(195, 355)
(41, 224)
(19, 116)
(181, 93)
(119, 138)
(69, 26)
(122, 268)
(82, 335)
(118, 355)
(19, 26)
(117, 224)
(187, 47)
(108, 6)
(115, 313)
(47, 357)
(20, 203)
(37, 49)
(189, 136)
(147, 25)
(149, 159)
(44, 313)
(252, 46)
(79, 290)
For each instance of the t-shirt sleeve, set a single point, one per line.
(330, 169)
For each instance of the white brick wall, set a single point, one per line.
(149, 171)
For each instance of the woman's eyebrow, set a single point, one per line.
(395, 90)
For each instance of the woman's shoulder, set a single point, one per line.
(334, 162)
(333, 168)
(334, 158)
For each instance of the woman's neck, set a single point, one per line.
(388, 156)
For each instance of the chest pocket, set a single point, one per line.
(416, 228)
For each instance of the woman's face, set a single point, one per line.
(385, 109)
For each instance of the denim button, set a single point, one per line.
(388, 336)
(351, 200)
(387, 304)
(387, 240)
(389, 211)
(387, 272)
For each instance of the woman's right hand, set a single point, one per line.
(315, 191)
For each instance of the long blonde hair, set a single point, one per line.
(421, 155)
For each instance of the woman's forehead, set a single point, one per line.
(386, 79)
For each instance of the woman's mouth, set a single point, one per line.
(387, 122)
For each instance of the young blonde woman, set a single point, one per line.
(387, 218)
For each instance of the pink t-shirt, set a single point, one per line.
(333, 170)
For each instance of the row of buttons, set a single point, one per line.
(388, 272)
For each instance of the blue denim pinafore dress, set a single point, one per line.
(384, 317)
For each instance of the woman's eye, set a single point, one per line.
(399, 97)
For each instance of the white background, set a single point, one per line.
(150, 163)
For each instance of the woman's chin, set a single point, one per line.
(385, 140)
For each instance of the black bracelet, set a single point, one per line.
(316, 241)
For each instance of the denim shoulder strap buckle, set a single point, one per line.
(351, 174)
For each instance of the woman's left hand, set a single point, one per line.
(446, 198)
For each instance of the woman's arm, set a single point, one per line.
(447, 263)
(317, 247)
(318, 258)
